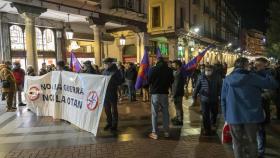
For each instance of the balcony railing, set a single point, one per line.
(196, 2)
(131, 5)
(206, 10)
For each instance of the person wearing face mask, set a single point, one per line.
(208, 88)
(88, 68)
(241, 104)
(19, 74)
(8, 86)
(178, 92)
(111, 97)
(261, 68)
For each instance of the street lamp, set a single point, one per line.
(196, 29)
(122, 40)
(68, 31)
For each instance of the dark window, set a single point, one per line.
(140, 6)
(196, 1)
(194, 19)
(156, 17)
(182, 17)
(130, 4)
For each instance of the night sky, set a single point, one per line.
(253, 12)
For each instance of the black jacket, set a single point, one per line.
(178, 84)
(89, 70)
(131, 74)
(160, 78)
(209, 90)
(115, 81)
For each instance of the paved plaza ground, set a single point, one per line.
(25, 135)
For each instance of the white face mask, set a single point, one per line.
(106, 66)
(208, 73)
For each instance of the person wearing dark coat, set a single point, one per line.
(130, 77)
(111, 97)
(160, 79)
(277, 95)
(178, 92)
(19, 75)
(43, 70)
(60, 66)
(88, 68)
(208, 87)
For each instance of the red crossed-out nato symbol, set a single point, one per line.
(92, 100)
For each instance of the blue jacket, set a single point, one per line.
(209, 90)
(241, 96)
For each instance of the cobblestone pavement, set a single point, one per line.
(25, 135)
(187, 147)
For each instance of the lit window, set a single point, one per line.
(48, 40)
(17, 39)
(39, 39)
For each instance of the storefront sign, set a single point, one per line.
(77, 98)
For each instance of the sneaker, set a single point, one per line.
(21, 104)
(166, 134)
(153, 136)
(107, 127)
(114, 129)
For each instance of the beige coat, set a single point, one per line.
(6, 74)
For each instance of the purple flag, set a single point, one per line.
(158, 53)
(75, 65)
(142, 77)
(191, 65)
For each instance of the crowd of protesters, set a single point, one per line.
(244, 96)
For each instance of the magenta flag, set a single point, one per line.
(75, 65)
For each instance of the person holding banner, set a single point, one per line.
(8, 85)
(111, 98)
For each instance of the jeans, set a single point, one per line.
(244, 138)
(131, 90)
(261, 139)
(178, 102)
(17, 96)
(209, 115)
(157, 101)
(111, 111)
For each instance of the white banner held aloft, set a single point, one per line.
(77, 98)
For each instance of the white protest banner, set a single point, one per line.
(77, 98)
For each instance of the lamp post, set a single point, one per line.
(68, 31)
(121, 46)
(122, 40)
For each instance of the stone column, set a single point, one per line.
(141, 43)
(97, 24)
(59, 45)
(97, 44)
(31, 51)
(29, 13)
(120, 55)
